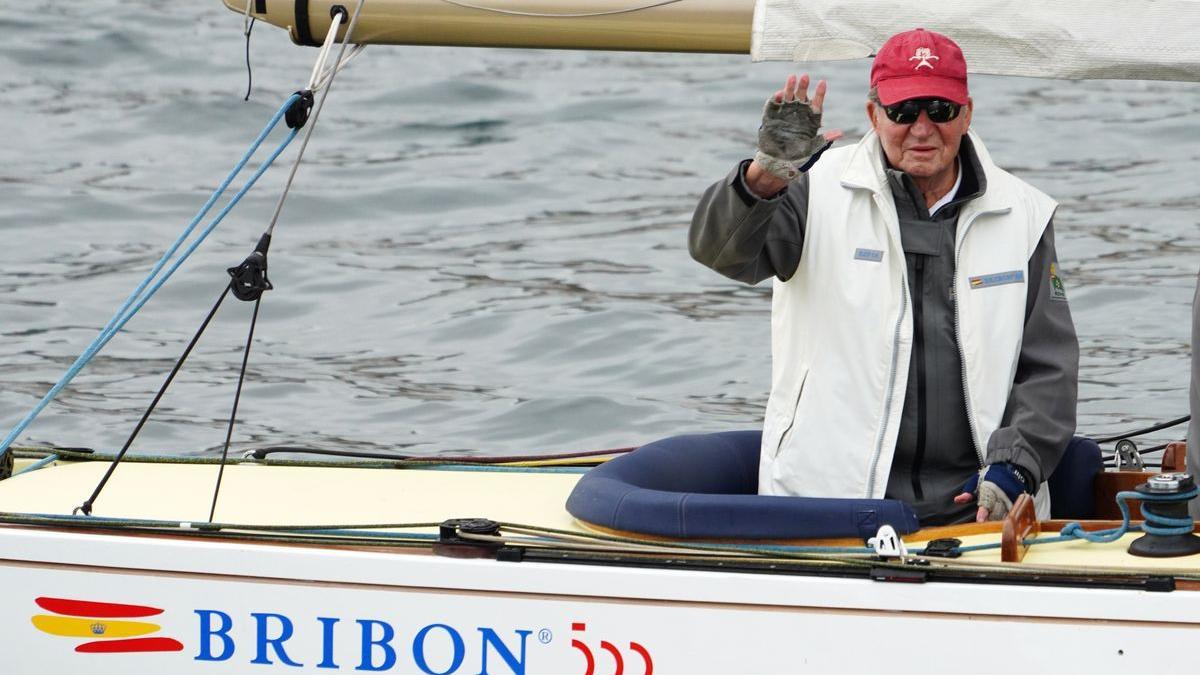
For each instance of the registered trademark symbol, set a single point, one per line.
(545, 636)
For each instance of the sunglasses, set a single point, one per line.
(939, 110)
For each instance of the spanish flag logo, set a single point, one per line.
(107, 626)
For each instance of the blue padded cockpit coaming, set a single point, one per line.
(706, 486)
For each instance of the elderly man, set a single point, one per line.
(922, 345)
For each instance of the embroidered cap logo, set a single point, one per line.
(923, 55)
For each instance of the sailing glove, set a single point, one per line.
(996, 487)
(788, 140)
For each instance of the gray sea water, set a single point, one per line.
(484, 250)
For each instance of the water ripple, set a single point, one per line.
(485, 250)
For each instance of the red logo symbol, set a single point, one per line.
(617, 656)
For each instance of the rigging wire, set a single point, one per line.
(338, 17)
(237, 397)
(157, 276)
(342, 63)
(1138, 432)
(334, 25)
(86, 506)
(155, 279)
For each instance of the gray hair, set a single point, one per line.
(873, 96)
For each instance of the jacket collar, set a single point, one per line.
(865, 170)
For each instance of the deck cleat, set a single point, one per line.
(888, 544)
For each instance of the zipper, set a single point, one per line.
(962, 354)
(891, 389)
(918, 351)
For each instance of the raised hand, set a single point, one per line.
(789, 136)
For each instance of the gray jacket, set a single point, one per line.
(750, 239)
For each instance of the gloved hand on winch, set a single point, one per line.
(995, 488)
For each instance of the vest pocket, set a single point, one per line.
(781, 416)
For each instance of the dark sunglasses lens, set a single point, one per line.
(907, 112)
(941, 111)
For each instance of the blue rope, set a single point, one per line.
(1155, 524)
(141, 295)
(41, 463)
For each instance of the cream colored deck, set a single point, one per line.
(289, 495)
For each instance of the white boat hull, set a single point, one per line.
(237, 608)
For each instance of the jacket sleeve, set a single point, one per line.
(747, 238)
(1039, 418)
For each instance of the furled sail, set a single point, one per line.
(1070, 39)
(1067, 39)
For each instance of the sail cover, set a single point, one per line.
(1067, 39)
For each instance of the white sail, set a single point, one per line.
(1071, 39)
(1067, 39)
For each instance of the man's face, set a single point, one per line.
(923, 149)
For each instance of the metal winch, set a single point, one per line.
(1168, 525)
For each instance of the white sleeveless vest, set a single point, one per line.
(841, 327)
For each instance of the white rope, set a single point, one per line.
(329, 72)
(319, 66)
(312, 120)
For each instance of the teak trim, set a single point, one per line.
(1020, 524)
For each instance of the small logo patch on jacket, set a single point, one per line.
(868, 254)
(1057, 290)
(998, 279)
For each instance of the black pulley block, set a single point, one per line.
(297, 113)
(249, 279)
(452, 544)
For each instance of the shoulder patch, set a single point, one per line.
(1057, 290)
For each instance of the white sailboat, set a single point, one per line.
(285, 570)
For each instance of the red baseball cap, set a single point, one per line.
(919, 64)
